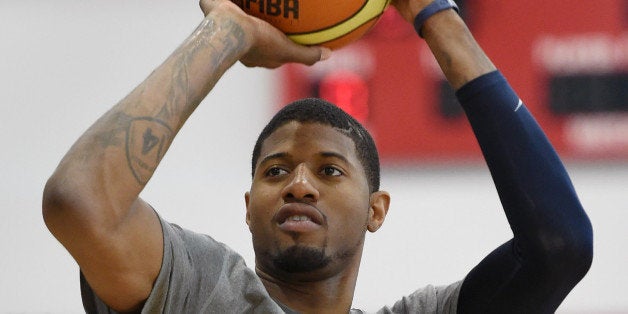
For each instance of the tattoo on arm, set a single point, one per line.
(145, 137)
(181, 100)
(148, 138)
(146, 142)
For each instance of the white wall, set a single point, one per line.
(64, 62)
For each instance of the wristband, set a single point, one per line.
(431, 9)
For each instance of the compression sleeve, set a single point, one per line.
(552, 245)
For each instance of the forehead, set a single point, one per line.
(308, 138)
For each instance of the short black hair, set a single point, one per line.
(315, 110)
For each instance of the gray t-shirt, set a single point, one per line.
(201, 275)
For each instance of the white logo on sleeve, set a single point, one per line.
(519, 105)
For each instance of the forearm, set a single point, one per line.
(117, 155)
(533, 185)
(506, 145)
(552, 245)
(459, 56)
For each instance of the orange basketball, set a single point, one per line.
(331, 24)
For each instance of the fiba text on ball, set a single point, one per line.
(285, 8)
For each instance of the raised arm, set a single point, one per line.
(552, 245)
(91, 202)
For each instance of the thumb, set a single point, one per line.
(324, 53)
(308, 55)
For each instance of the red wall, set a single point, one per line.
(529, 41)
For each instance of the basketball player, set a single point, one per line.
(314, 194)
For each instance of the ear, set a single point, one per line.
(247, 197)
(379, 203)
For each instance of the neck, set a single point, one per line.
(328, 294)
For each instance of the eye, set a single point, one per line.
(331, 171)
(275, 171)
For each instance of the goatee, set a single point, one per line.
(299, 259)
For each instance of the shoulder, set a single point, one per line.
(193, 246)
(199, 274)
(429, 299)
(189, 255)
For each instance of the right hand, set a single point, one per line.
(267, 46)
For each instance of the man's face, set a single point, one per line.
(309, 204)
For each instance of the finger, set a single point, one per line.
(325, 54)
(307, 55)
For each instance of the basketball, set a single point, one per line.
(332, 24)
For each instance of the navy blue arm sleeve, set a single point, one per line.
(552, 245)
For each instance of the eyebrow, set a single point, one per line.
(335, 155)
(326, 154)
(273, 156)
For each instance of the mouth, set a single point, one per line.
(299, 217)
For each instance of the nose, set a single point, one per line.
(300, 188)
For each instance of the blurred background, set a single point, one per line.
(64, 63)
